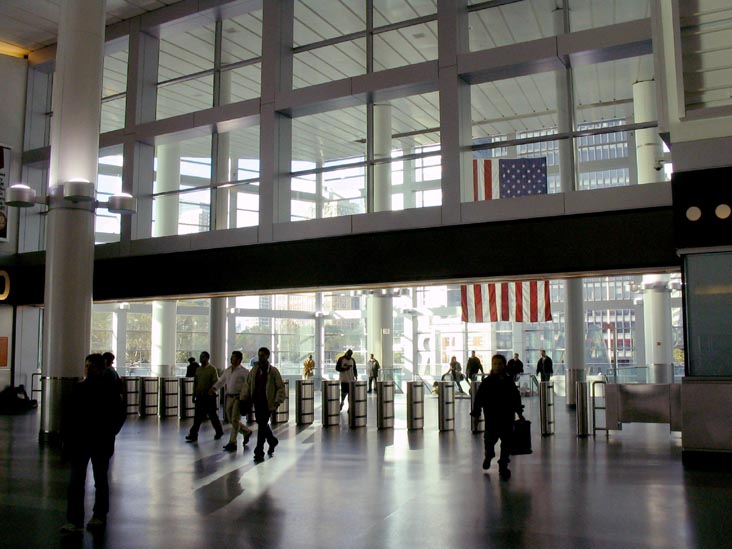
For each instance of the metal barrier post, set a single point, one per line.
(357, 404)
(185, 397)
(168, 396)
(446, 405)
(583, 415)
(595, 428)
(132, 386)
(546, 407)
(415, 405)
(574, 376)
(477, 424)
(384, 404)
(282, 413)
(304, 401)
(36, 387)
(331, 403)
(148, 396)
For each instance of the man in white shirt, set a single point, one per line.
(233, 379)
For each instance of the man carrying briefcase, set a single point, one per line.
(499, 400)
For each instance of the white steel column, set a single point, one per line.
(77, 90)
(221, 197)
(162, 354)
(656, 292)
(382, 150)
(574, 320)
(379, 328)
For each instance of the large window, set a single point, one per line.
(109, 182)
(114, 86)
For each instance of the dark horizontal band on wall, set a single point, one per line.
(552, 246)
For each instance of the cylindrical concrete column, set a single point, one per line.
(77, 90)
(380, 324)
(415, 405)
(384, 404)
(446, 406)
(574, 335)
(648, 147)
(162, 353)
(657, 328)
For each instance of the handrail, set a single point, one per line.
(595, 428)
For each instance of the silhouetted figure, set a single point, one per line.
(499, 400)
(94, 416)
(515, 367)
(347, 373)
(544, 367)
(473, 367)
(192, 367)
(373, 370)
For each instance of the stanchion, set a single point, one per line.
(415, 405)
(446, 406)
(384, 404)
(583, 409)
(357, 404)
(304, 401)
(477, 424)
(546, 407)
(282, 413)
(331, 403)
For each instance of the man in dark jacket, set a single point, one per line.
(473, 367)
(499, 400)
(264, 389)
(95, 415)
(515, 367)
(544, 367)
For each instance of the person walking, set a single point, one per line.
(233, 379)
(90, 424)
(544, 367)
(373, 370)
(515, 367)
(499, 400)
(347, 373)
(205, 378)
(455, 373)
(472, 368)
(265, 390)
(192, 367)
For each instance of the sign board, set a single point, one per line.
(4, 182)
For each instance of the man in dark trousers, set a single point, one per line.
(95, 415)
(499, 400)
(264, 389)
(205, 376)
(544, 367)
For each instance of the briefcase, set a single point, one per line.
(521, 440)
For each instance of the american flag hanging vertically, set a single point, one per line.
(526, 301)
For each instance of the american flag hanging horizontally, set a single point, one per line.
(526, 301)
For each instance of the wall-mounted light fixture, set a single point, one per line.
(20, 195)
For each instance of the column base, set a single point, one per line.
(55, 395)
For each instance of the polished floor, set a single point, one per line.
(354, 488)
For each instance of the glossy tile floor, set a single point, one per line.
(341, 487)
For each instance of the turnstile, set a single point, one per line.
(583, 409)
(304, 401)
(384, 404)
(282, 413)
(148, 399)
(357, 404)
(477, 424)
(132, 386)
(168, 397)
(331, 403)
(415, 405)
(546, 407)
(446, 406)
(186, 406)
